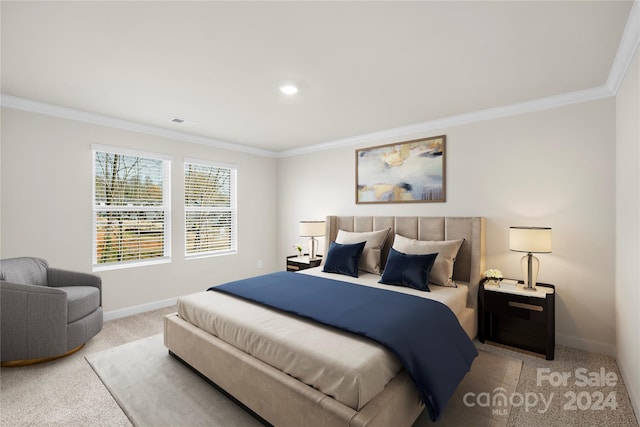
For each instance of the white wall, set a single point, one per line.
(549, 168)
(46, 207)
(628, 230)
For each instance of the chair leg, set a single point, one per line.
(27, 362)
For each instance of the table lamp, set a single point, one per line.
(312, 229)
(530, 240)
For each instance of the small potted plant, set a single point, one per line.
(493, 276)
(298, 247)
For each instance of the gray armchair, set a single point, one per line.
(45, 312)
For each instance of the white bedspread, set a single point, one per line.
(347, 367)
(454, 298)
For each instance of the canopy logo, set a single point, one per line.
(499, 400)
(598, 400)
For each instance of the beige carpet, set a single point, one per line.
(154, 389)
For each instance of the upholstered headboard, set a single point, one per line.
(469, 264)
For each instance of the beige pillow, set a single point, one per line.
(447, 250)
(370, 260)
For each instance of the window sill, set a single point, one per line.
(210, 254)
(130, 264)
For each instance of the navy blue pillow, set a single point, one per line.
(411, 271)
(344, 258)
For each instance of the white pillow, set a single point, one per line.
(370, 260)
(447, 250)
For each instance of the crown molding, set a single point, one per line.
(461, 119)
(98, 119)
(626, 49)
(393, 133)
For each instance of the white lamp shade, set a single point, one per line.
(312, 228)
(530, 239)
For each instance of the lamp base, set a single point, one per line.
(313, 248)
(530, 266)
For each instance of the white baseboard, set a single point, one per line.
(635, 402)
(585, 344)
(143, 308)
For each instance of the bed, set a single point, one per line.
(346, 380)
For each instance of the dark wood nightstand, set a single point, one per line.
(296, 263)
(518, 318)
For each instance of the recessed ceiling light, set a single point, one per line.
(289, 89)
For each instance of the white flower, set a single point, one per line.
(492, 273)
(297, 247)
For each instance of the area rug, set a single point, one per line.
(154, 389)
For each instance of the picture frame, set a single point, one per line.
(402, 172)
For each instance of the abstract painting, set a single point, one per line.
(402, 172)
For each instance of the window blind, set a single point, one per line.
(210, 208)
(131, 207)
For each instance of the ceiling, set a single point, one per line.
(361, 67)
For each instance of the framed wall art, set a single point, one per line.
(402, 172)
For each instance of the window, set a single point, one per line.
(131, 208)
(210, 208)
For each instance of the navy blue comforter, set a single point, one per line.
(424, 334)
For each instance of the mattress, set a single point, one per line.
(347, 367)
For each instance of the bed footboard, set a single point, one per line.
(279, 398)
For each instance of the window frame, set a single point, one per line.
(233, 208)
(165, 208)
